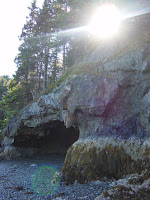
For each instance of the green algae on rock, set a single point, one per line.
(94, 159)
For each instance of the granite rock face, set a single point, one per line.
(111, 110)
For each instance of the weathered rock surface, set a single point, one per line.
(135, 187)
(94, 158)
(111, 109)
(113, 122)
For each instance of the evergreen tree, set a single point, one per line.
(29, 29)
(48, 49)
(3, 90)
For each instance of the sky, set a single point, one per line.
(12, 19)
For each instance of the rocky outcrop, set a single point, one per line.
(114, 123)
(95, 158)
(111, 109)
(134, 187)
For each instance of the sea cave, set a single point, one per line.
(52, 137)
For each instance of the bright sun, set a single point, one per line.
(105, 23)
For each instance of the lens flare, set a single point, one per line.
(45, 180)
(106, 21)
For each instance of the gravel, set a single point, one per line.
(21, 179)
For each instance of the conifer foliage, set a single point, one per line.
(3, 89)
(47, 50)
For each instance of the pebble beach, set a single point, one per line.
(19, 181)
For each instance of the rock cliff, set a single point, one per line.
(106, 110)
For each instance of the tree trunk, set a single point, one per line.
(64, 58)
(39, 78)
(45, 67)
(26, 86)
(64, 47)
(36, 80)
(55, 67)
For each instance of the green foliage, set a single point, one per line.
(11, 101)
(64, 77)
(51, 53)
(3, 90)
(44, 54)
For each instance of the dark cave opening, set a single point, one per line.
(52, 137)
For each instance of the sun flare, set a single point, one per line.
(105, 23)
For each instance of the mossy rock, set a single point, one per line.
(91, 163)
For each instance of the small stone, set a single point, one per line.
(33, 165)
